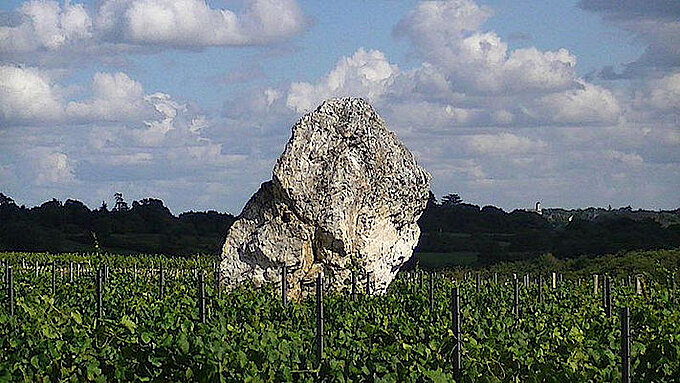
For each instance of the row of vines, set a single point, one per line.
(249, 335)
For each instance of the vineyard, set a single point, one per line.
(72, 317)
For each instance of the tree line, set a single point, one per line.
(147, 226)
(449, 227)
(453, 226)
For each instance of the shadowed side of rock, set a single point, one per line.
(267, 235)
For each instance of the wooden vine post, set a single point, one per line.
(218, 280)
(54, 279)
(455, 316)
(625, 345)
(608, 303)
(98, 291)
(201, 297)
(319, 320)
(515, 301)
(554, 280)
(10, 289)
(368, 284)
(430, 294)
(284, 285)
(161, 282)
(354, 286)
(603, 296)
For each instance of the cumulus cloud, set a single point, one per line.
(590, 104)
(47, 26)
(115, 97)
(447, 34)
(490, 121)
(192, 23)
(365, 74)
(425, 98)
(28, 95)
(168, 155)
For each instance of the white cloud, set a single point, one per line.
(186, 23)
(426, 116)
(364, 74)
(439, 20)
(462, 169)
(661, 94)
(46, 25)
(27, 95)
(447, 34)
(590, 104)
(115, 97)
(504, 144)
(30, 96)
(169, 155)
(51, 167)
(426, 82)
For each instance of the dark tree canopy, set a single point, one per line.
(451, 200)
(493, 235)
(147, 227)
(452, 227)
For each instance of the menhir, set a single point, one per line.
(345, 196)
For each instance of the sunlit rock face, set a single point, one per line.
(345, 195)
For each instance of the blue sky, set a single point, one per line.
(166, 98)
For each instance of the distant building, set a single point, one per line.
(537, 210)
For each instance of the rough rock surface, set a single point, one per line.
(345, 195)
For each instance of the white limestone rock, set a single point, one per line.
(345, 195)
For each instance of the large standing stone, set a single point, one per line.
(345, 195)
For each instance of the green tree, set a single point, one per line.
(5, 200)
(121, 205)
(451, 200)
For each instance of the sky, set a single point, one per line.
(571, 103)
